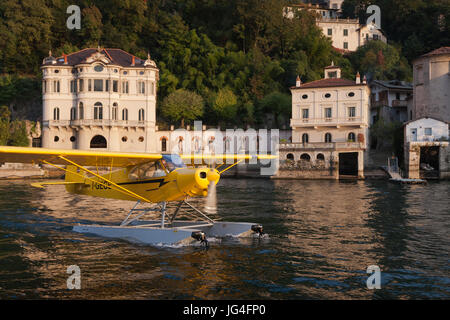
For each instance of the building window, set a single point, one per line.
(328, 113)
(152, 88)
(332, 74)
(56, 139)
(73, 113)
(73, 139)
(305, 157)
(98, 111)
(141, 139)
(351, 94)
(320, 157)
(114, 111)
(81, 111)
(107, 85)
(56, 86)
(305, 96)
(124, 138)
(346, 45)
(141, 87)
(327, 95)
(98, 68)
(98, 85)
(328, 137)
(141, 115)
(125, 114)
(81, 85)
(115, 86)
(397, 95)
(375, 37)
(305, 113)
(89, 85)
(330, 32)
(428, 131)
(163, 144)
(352, 112)
(351, 137)
(125, 87)
(56, 114)
(345, 32)
(305, 138)
(290, 156)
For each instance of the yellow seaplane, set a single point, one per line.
(152, 180)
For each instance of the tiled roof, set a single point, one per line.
(117, 57)
(394, 84)
(442, 50)
(331, 82)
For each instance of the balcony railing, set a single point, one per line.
(323, 145)
(94, 122)
(399, 103)
(327, 121)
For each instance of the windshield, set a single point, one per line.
(172, 162)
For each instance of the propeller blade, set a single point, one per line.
(211, 199)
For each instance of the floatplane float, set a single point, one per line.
(149, 179)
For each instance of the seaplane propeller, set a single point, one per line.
(211, 198)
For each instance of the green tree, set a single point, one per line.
(225, 104)
(18, 134)
(277, 104)
(4, 125)
(182, 105)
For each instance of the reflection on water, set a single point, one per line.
(323, 236)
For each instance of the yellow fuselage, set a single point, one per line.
(174, 186)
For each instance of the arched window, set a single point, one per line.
(141, 115)
(305, 138)
(320, 156)
(328, 137)
(81, 111)
(114, 111)
(56, 114)
(73, 113)
(98, 141)
(163, 144)
(305, 157)
(125, 114)
(98, 111)
(351, 137)
(290, 156)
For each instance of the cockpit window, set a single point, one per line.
(143, 171)
(172, 162)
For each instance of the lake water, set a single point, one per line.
(322, 237)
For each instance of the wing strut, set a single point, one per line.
(107, 180)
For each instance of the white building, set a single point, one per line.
(426, 149)
(346, 35)
(99, 99)
(330, 121)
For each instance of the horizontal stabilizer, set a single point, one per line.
(46, 183)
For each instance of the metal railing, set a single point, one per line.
(94, 122)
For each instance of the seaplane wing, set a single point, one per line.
(81, 157)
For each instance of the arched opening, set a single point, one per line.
(141, 115)
(81, 111)
(56, 114)
(98, 111)
(73, 113)
(114, 111)
(320, 157)
(290, 156)
(328, 137)
(305, 138)
(98, 141)
(305, 157)
(125, 114)
(351, 137)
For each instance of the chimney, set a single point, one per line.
(364, 79)
(132, 61)
(358, 78)
(65, 58)
(298, 82)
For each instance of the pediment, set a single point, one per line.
(98, 57)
